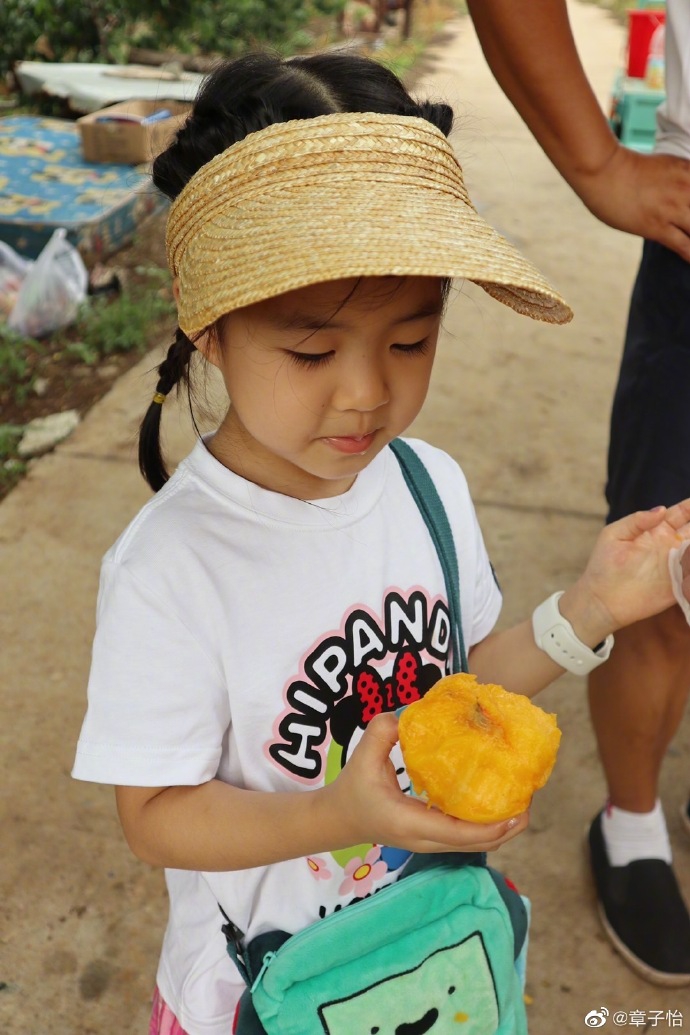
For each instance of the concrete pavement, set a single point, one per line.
(524, 408)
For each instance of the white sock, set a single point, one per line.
(635, 835)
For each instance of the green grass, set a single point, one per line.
(120, 325)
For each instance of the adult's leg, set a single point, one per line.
(637, 699)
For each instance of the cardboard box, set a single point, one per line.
(116, 134)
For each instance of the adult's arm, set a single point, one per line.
(532, 54)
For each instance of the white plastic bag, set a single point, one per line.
(52, 290)
(13, 270)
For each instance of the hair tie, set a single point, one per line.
(158, 398)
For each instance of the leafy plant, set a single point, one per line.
(81, 351)
(104, 30)
(120, 325)
(9, 438)
(15, 366)
(230, 27)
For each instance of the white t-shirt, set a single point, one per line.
(248, 636)
(673, 115)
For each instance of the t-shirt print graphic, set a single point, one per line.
(373, 664)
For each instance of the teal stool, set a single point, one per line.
(633, 112)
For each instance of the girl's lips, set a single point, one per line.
(351, 443)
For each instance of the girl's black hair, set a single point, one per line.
(239, 98)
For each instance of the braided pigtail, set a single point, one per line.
(173, 371)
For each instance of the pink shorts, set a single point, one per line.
(163, 1020)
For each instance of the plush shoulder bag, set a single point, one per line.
(440, 951)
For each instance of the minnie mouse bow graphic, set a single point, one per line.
(371, 695)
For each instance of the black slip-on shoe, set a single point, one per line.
(643, 913)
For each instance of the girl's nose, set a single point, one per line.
(361, 386)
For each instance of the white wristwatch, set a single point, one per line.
(556, 637)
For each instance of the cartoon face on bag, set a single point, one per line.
(320, 379)
(450, 993)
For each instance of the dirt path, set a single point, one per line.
(524, 408)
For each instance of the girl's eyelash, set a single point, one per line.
(311, 359)
(320, 359)
(417, 348)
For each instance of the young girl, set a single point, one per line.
(265, 614)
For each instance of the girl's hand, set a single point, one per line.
(627, 578)
(370, 804)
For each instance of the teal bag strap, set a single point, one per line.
(249, 959)
(425, 495)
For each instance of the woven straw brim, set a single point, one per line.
(275, 220)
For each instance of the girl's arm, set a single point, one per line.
(513, 659)
(217, 827)
(626, 580)
(531, 52)
(214, 826)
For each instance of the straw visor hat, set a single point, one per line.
(344, 195)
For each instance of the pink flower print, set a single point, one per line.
(318, 868)
(360, 874)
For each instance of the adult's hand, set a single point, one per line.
(642, 194)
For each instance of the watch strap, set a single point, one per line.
(556, 637)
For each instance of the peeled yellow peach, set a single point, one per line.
(476, 751)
